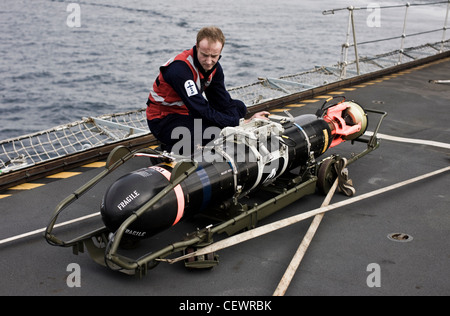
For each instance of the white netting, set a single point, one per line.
(78, 136)
(71, 138)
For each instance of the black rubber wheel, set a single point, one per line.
(326, 176)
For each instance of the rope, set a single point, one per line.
(41, 230)
(262, 230)
(410, 140)
(342, 183)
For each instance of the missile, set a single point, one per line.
(239, 161)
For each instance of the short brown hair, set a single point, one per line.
(212, 33)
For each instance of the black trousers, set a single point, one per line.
(183, 134)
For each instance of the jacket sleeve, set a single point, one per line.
(180, 77)
(219, 98)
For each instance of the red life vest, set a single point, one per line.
(163, 100)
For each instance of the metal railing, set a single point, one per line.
(87, 136)
(351, 31)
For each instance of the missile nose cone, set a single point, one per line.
(129, 193)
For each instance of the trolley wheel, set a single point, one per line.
(326, 175)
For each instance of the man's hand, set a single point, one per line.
(260, 115)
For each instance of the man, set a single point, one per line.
(176, 106)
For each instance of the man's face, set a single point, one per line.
(208, 53)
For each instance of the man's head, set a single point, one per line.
(210, 42)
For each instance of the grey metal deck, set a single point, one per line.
(346, 243)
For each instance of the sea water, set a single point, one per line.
(62, 61)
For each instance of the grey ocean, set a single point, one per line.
(53, 72)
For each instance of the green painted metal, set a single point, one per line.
(234, 216)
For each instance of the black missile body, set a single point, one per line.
(245, 158)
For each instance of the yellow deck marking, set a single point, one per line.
(295, 105)
(311, 101)
(60, 175)
(63, 175)
(361, 86)
(278, 110)
(349, 89)
(95, 164)
(324, 97)
(337, 92)
(27, 186)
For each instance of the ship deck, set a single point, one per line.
(348, 244)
